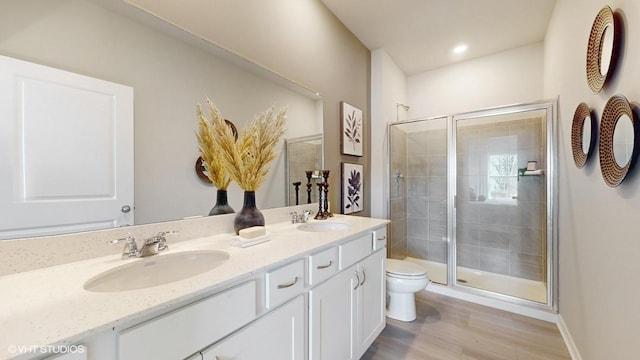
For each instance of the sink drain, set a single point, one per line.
(462, 281)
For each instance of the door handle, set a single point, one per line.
(364, 277)
(358, 280)
(125, 208)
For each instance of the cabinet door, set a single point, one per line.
(332, 318)
(371, 300)
(277, 336)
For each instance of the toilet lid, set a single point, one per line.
(402, 267)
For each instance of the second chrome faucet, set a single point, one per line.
(300, 218)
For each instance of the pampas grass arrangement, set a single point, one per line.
(208, 150)
(246, 159)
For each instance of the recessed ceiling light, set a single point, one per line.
(460, 49)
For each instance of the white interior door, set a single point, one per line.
(66, 151)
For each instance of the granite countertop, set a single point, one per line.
(49, 306)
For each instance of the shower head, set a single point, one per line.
(405, 107)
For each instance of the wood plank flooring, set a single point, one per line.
(448, 329)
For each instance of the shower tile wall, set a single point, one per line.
(506, 238)
(426, 203)
(307, 157)
(398, 193)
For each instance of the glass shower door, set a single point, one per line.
(418, 194)
(501, 203)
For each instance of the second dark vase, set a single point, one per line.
(249, 215)
(222, 205)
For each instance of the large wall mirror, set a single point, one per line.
(170, 71)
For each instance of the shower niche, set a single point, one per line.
(471, 199)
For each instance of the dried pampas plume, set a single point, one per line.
(208, 150)
(246, 159)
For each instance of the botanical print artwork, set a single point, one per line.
(352, 188)
(351, 129)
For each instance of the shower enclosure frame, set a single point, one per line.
(552, 277)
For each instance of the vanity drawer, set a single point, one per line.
(322, 265)
(187, 330)
(284, 283)
(379, 238)
(354, 251)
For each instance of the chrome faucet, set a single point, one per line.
(130, 247)
(150, 246)
(300, 218)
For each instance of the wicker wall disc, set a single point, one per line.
(613, 173)
(577, 126)
(595, 79)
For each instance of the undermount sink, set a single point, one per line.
(324, 226)
(156, 270)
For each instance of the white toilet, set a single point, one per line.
(404, 279)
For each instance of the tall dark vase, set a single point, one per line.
(249, 215)
(222, 205)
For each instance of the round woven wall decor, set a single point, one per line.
(579, 117)
(613, 173)
(595, 78)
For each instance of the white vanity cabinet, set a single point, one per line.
(346, 313)
(279, 335)
(324, 305)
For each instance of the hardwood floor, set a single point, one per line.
(448, 328)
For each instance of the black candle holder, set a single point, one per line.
(296, 185)
(320, 215)
(309, 174)
(325, 175)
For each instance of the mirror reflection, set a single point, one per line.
(169, 71)
(623, 140)
(303, 167)
(586, 134)
(606, 49)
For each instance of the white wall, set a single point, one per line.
(388, 88)
(598, 235)
(513, 76)
(168, 77)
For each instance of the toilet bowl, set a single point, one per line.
(404, 279)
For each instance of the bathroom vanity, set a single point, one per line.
(312, 292)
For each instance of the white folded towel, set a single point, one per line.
(534, 172)
(242, 242)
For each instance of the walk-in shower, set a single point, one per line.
(471, 198)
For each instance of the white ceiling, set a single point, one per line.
(420, 34)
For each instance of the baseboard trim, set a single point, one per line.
(568, 340)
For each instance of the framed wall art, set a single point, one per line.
(352, 188)
(352, 135)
